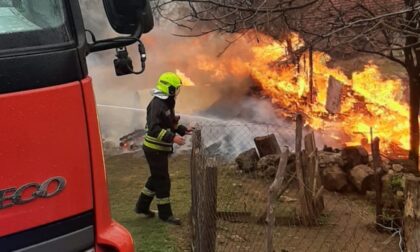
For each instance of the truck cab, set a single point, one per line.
(53, 189)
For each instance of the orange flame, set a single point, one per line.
(186, 81)
(368, 101)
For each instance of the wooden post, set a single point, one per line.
(203, 197)
(313, 186)
(267, 145)
(311, 75)
(195, 163)
(291, 52)
(377, 167)
(299, 169)
(412, 213)
(208, 206)
(272, 195)
(307, 207)
(310, 161)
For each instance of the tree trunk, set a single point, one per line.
(411, 60)
(414, 115)
(412, 214)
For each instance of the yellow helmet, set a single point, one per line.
(169, 83)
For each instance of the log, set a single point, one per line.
(272, 195)
(247, 160)
(363, 178)
(334, 178)
(268, 161)
(267, 145)
(354, 155)
(409, 166)
(412, 213)
(329, 158)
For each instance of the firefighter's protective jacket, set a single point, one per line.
(162, 125)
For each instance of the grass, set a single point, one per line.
(344, 216)
(126, 177)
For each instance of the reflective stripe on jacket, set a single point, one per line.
(157, 144)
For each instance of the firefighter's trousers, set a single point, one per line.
(158, 184)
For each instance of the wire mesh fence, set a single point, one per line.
(347, 222)
(230, 183)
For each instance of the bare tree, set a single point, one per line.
(388, 28)
(228, 16)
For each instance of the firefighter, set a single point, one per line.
(162, 131)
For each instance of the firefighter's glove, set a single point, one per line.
(182, 130)
(179, 140)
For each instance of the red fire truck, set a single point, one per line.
(53, 190)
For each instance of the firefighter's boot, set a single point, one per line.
(165, 214)
(143, 205)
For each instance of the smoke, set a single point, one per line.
(222, 81)
(221, 84)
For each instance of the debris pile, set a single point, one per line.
(346, 170)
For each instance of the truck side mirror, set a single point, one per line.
(133, 17)
(125, 16)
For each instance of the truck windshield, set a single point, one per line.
(32, 23)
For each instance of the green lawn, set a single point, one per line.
(126, 177)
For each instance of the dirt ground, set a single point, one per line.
(347, 223)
